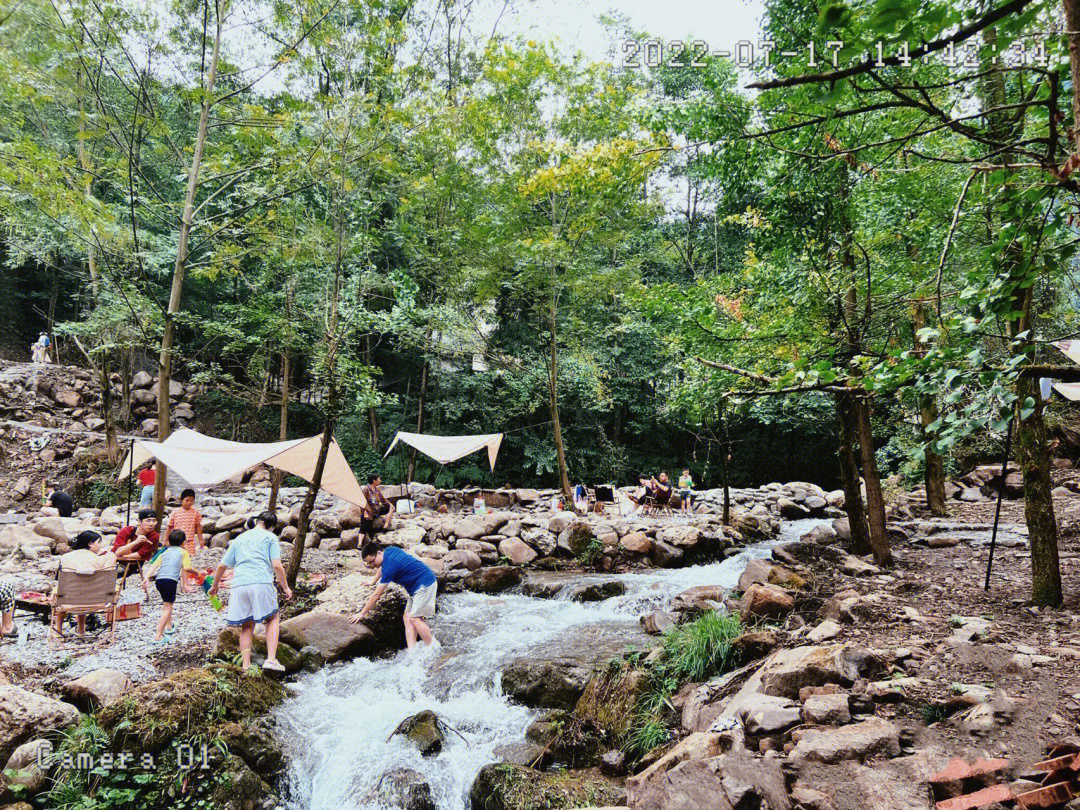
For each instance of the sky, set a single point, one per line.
(719, 23)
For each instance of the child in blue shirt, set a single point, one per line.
(168, 565)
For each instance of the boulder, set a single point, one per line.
(53, 528)
(789, 510)
(699, 599)
(871, 737)
(825, 631)
(552, 684)
(765, 602)
(400, 789)
(350, 540)
(141, 379)
(332, 634)
(787, 671)
(636, 543)
(423, 731)
(662, 785)
(822, 535)
(468, 529)
(764, 572)
(461, 559)
(26, 715)
(350, 517)
(540, 539)
(575, 538)
(502, 786)
(517, 551)
(220, 540)
(756, 644)
(842, 527)
(98, 688)
(557, 523)
(228, 523)
(68, 397)
(597, 591)
(493, 579)
(665, 555)
(684, 537)
(657, 623)
(827, 710)
(764, 715)
(23, 769)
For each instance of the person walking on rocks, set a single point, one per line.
(171, 565)
(394, 565)
(255, 557)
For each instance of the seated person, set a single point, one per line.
(139, 542)
(581, 498)
(59, 502)
(377, 506)
(662, 487)
(87, 555)
(644, 490)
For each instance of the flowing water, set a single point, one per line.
(337, 728)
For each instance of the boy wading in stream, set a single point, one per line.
(394, 565)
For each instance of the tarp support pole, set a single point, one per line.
(131, 480)
(1001, 494)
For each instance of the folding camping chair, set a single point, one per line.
(659, 502)
(80, 593)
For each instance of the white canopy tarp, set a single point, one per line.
(445, 449)
(1071, 349)
(203, 460)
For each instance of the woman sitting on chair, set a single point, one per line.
(87, 555)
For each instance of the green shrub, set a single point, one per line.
(701, 648)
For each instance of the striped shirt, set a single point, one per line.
(189, 521)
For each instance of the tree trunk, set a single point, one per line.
(553, 405)
(875, 501)
(308, 505)
(725, 454)
(849, 475)
(934, 472)
(420, 415)
(180, 267)
(283, 434)
(125, 388)
(1034, 460)
(54, 291)
(112, 447)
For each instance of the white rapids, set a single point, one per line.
(337, 727)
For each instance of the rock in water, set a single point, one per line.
(401, 789)
(550, 684)
(331, 633)
(423, 731)
(493, 579)
(513, 787)
(597, 591)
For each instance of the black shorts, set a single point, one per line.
(167, 589)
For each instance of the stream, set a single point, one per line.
(337, 726)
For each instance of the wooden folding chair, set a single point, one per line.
(80, 593)
(660, 502)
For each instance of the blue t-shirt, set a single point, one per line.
(405, 570)
(250, 556)
(173, 560)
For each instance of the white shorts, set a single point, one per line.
(421, 605)
(251, 603)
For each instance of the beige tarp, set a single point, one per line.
(445, 449)
(203, 460)
(1071, 349)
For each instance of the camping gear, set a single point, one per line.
(128, 610)
(445, 449)
(206, 580)
(203, 460)
(80, 593)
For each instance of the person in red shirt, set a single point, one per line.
(139, 542)
(147, 479)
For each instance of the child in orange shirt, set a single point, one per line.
(187, 519)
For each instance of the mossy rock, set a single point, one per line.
(422, 729)
(228, 646)
(514, 787)
(187, 703)
(609, 701)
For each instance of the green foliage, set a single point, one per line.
(695, 651)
